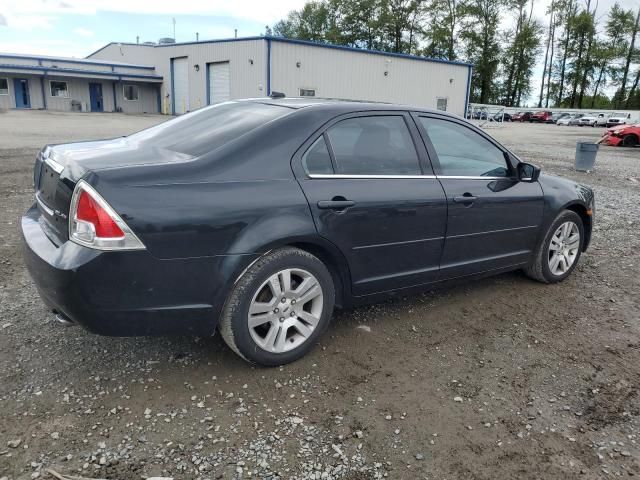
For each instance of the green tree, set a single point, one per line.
(611, 48)
(585, 32)
(441, 32)
(359, 22)
(520, 56)
(482, 46)
(567, 10)
(621, 94)
(316, 21)
(547, 63)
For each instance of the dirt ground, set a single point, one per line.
(502, 378)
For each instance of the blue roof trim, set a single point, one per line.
(364, 50)
(81, 62)
(54, 71)
(300, 42)
(199, 42)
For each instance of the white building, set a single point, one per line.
(196, 74)
(58, 83)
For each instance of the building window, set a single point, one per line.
(4, 86)
(307, 92)
(131, 92)
(441, 104)
(59, 89)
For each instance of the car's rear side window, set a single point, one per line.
(376, 145)
(316, 160)
(205, 130)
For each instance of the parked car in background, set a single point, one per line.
(591, 119)
(521, 117)
(601, 121)
(541, 117)
(622, 135)
(619, 118)
(575, 119)
(257, 217)
(479, 114)
(558, 116)
(566, 120)
(502, 117)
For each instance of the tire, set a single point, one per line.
(264, 343)
(630, 140)
(540, 267)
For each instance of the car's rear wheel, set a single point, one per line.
(630, 140)
(559, 251)
(278, 308)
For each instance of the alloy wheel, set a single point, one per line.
(285, 310)
(563, 248)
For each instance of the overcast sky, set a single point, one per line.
(76, 28)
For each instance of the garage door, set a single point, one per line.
(180, 85)
(219, 83)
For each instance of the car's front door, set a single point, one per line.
(373, 194)
(493, 219)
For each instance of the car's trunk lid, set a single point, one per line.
(58, 169)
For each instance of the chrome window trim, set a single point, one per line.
(326, 176)
(471, 177)
(55, 166)
(346, 176)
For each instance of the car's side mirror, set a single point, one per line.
(528, 172)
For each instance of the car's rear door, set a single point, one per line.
(373, 194)
(493, 219)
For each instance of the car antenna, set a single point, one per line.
(277, 95)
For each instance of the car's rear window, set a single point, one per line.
(209, 128)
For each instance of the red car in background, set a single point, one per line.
(542, 117)
(622, 135)
(521, 117)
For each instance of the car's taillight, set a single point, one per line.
(94, 224)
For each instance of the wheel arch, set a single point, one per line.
(587, 221)
(632, 134)
(329, 254)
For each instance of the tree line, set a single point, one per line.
(585, 53)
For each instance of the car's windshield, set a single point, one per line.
(204, 130)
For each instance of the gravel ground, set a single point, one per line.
(495, 379)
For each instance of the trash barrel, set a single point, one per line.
(586, 155)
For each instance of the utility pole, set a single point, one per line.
(174, 28)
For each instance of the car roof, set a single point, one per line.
(333, 104)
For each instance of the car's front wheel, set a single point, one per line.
(630, 140)
(559, 251)
(278, 308)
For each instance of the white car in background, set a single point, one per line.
(572, 119)
(619, 119)
(592, 119)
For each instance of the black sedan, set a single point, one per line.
(257, 217)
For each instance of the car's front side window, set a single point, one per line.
(376, 145)
(462, 152)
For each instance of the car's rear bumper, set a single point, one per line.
(127, 293)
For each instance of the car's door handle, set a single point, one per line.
(466, 198)
(337, 203)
